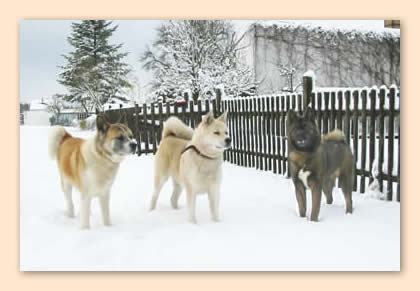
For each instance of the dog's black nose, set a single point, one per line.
(228, 140)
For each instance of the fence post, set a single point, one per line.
(307, 90)
(218, 101)
(391, 137)
(136, 110)
(382, 93)
(145, 131)
(153, 127)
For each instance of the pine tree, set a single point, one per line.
(94, 73)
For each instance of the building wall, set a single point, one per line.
(38, 117)
(338, 58)
(392, 23)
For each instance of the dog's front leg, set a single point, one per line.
(85, 211)
(191, 197)
(316, 198)
(300, 192)
(214, 198)
(104, 201)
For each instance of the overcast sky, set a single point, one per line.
(43, 42)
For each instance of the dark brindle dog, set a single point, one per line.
(315, 163)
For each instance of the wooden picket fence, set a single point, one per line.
(369, 118)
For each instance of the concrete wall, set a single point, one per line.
(338, 58)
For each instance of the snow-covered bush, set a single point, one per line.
(88, 123)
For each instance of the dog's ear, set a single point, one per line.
(123, 118)
(101, 123)
(291, 116)
(223, 117)
(208, 118)
(309, 114)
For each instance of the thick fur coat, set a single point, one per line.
(316, 162)
(193, 159)
(90, 165)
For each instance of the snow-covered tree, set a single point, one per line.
(55, 105)
(289, 72)
(138, 91)
(197, 56)
(94, 73)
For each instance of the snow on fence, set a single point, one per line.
(369, 118)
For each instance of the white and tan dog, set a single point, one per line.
(90, 165)
(194, 161)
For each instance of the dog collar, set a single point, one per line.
(193, 147)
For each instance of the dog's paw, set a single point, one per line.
(193, 220)
(174, 204)
(216, 219)
(313, 219)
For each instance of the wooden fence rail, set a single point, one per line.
(369, 118)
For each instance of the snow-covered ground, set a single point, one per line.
(260, 229)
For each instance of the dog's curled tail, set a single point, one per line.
(55, 138)
(335, 135)
(175, 127)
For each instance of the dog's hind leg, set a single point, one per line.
(175, 194)
(159, 182)
(67, 189)
(346, 186)
(104, 202)
(327, 187)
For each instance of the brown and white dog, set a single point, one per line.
(90, 165)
